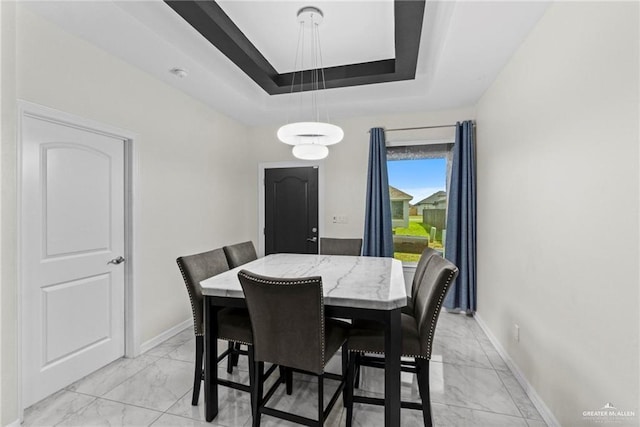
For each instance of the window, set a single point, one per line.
(397, 209)
(418, 176)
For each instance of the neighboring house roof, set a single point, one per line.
(436, 197)
(396, 194)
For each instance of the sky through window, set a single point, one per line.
(419, 178)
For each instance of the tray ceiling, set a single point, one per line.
(275, 30)
(463, 47)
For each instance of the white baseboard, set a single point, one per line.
(163, 336)
(537, 401)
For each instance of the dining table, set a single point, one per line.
(354, 287)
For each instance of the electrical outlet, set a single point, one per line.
(516, 332)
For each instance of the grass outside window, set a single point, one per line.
(417, 228)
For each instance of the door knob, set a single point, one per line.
(116, 261)
(312, 239)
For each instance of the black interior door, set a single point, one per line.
(291, 210)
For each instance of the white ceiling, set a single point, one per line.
(464, 45)
(351, 31)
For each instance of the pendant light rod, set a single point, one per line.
(311, 138)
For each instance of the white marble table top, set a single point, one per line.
(347, 281)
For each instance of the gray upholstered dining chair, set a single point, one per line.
(417, 336)
(240, 253)
(233, 324)
(333, 246)
(423, 261)
(425, 257)
(290, 329)
(237, 255)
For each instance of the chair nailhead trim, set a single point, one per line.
(191, 298)
(276, 282)
(416, 356)
(238, 341)
(432, 328)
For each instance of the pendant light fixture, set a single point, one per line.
(310, 138)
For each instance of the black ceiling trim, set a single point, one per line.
(208, 18)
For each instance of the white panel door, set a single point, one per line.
(72, 226)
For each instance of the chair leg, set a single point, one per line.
(320, 400)
(345, 368)
(197, 375)
(286, 377)
(236, 354)
(252, 379)
(423, 385)
(357, 372)
(230, 358)
(289, 380)
(349, 388)
(257, 391)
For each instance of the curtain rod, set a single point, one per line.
(420, 127)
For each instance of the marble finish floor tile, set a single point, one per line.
(186, 335)
(459, 352)
(489, 349)
(536, 423)
(162, 349)
(495, 359)
(103, 412)
(55, 408)
(475, 328)
(185, 352)
(443, 415)
(168, 420)
(112, 375)
(454, 416)
(519, 396)
(473, 388)
(158, 386)
(234, 407)
(373, 416)
(455, 326)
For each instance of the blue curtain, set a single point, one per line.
(460, 247)
(378, 238)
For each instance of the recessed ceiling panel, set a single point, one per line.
(212, 22)
(352, 32)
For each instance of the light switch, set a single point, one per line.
(340, 219)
